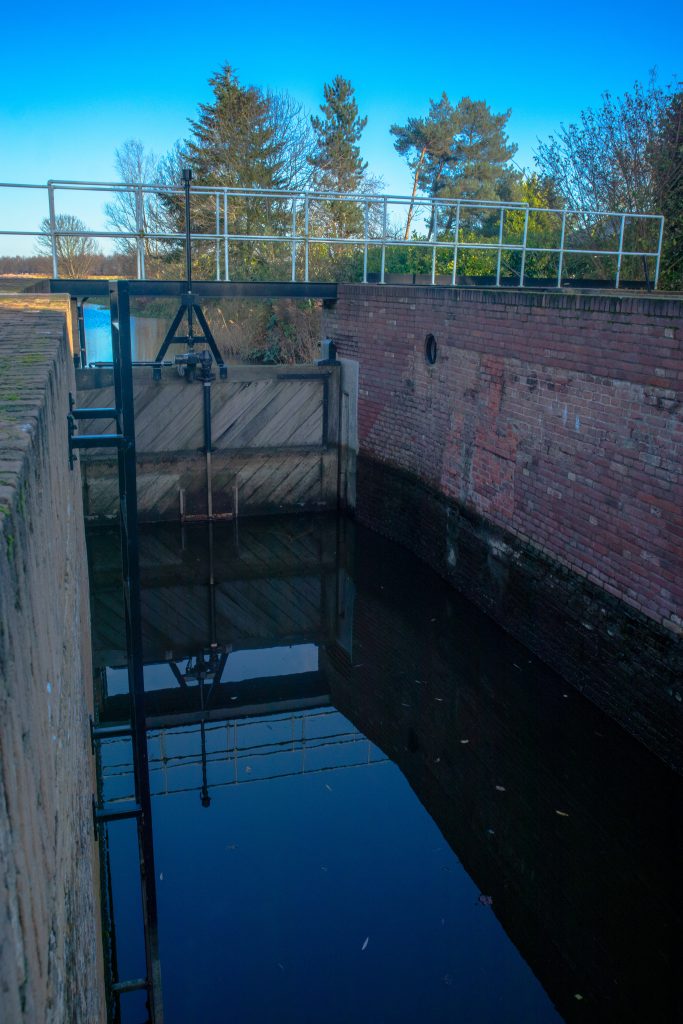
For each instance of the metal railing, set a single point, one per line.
(511, 234)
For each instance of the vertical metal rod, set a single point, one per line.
(366, 229)
(218, 231)
(526, 229)
(500, 248)
(455, 242)
(435, 230)
(384, 239)
(206, 388)
(226, 251)
(561, 261)
(53, 228)
(119, 300)
(306, 238)
(187, 178)
(80, 316)
(294, 239)
(659, 250)
(140, 228)
(621, 249)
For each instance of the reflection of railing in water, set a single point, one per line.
(233, 755)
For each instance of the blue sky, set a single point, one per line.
(77, 81)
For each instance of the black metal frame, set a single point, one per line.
(122, 413)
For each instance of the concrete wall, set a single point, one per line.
(49, 906)
(537, 464)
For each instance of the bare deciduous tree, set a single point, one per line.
(76, 253)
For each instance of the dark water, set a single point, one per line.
(386, 810)
(147, 334)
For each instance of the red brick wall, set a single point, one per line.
(556, 416)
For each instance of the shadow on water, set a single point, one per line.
(371, 804)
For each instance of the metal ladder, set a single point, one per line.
(123, 415)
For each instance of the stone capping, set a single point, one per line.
(662, 304)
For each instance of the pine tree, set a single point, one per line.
(337, 163)
(457, 152)
(233, 140)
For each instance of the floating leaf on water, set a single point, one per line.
(440, 699)
(562, 814)
(577, 995)
(516, 666)
(328, 787)
(486, 901)
(236, 697)
(464, 741)
(501, 789)
(247, 769)
(281, 968)
(161, 877)
(365, 944)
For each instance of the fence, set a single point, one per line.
(288, 232)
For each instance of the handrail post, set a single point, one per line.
(226, 250)
(435, 230)
(384, 239)
(621, 249)
(659, 250)
(455, 242)
(306, 244)
(500, 247)
(139, 227)
(561, 259)
(53, 228)
(294, 238)
(526, 229)
(366, 229)
(218, 231)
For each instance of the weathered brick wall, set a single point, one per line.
(49, 904)
(556, 417)
(546, 492)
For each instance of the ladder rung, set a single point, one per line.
(130, 986)
(95, 413)
(98, 441)
(118, 813)
(105, 732)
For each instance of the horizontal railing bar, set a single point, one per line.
(284, 194)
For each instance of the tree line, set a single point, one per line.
(624, 155)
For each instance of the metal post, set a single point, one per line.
(365, 245)
(561, 260)
(294, 239)
(384, 238)
(140, 227)
(621, 249)
(455, 242)
(306, 238)
(526, 229)
(218, 231)
(119, 300)
(500, 247)
(226, 252)
(435, 230)
(659, 250)
(187, 178)
(53, 228)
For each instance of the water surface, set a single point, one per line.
(385, 810)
